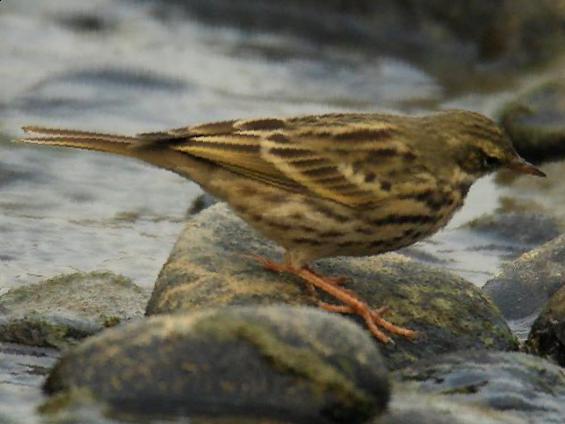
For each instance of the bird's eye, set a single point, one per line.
(490, 162)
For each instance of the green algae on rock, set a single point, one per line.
(210, 266)
(63, 309)
(535, 122)
(547, 337)
(282, 362)
(520, 385)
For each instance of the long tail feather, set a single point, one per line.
(102, 142)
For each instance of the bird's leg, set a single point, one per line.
(351, 302)
(373, 318)
(338, 281)
(281, 267)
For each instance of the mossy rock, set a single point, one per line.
(64, 309)
(547, 337)
(210, 266)
(288, 363)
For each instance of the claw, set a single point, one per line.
(352, 304)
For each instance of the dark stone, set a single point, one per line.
(86, 22)
(547, 337)
(408, 407)
(525, 285)
(535, 122)
(201, 202)
(520, 231)
(62, 310)
(467, 31)
(281, 363)
(518, 384)
(211, 266)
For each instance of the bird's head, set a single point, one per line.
(481, 147)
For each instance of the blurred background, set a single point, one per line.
(131, 66)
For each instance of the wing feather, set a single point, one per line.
(345, 163)
(350, 159)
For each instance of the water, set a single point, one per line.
(22, 371)
(118, 66)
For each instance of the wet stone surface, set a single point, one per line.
(273, 362)
(517, 232)
(209, 268)
(62, 310)
(410, 407)
(535, 121)
(517, 384)
(22, 371)
(547, 337)
(524, 286)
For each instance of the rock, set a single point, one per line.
(61, 310)
(521, 385)
(210, 267)
(288, 363)
(521, 231)
(472, 30)
(535, 122)
(201, 202)
(88, 22)
(547, 337)
(418, 408)
(524, 286)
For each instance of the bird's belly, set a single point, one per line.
(312, 228)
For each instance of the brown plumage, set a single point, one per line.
(326, 185)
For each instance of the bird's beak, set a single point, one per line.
(524, 167)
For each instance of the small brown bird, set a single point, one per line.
(327, 185)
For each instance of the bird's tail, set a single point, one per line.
(111, 143)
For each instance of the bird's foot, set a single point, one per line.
(337, 281)
(352, 304)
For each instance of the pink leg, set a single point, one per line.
(351, 303)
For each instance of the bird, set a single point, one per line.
(337, 184)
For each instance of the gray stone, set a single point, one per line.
(547, 337)
(521, 385)
(520, 231)
(288, 363)
(210, 267)
(416, 408)
(524, 286)
(61, 310)
(536, 122)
